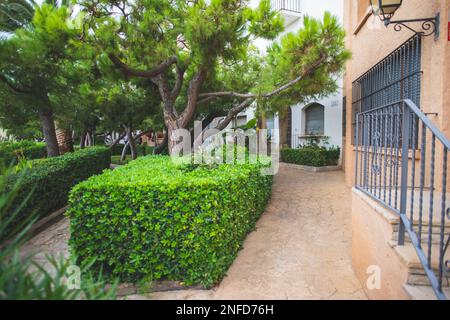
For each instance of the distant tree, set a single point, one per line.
(125, 106)
(31, 61)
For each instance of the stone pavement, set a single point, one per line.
(300, 249)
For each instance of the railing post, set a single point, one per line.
(406, 130)
(357, 149)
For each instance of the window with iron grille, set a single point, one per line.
(315, 119)
(396, 77)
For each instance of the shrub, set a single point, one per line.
(116, 150)
(50, 180)
(153, 218)
(142, 150)
(11, 151)
(311, 155)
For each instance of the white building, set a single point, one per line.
(321, 117)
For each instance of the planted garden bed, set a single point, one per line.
(312, 156)
(159, 220)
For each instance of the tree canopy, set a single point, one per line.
(195, 58)
(195, 51)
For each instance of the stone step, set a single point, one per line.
(419, 278)
(411, 259)
(416, 273)
(435, 235)
(423, 292)
(436, 227)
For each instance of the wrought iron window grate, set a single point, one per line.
(396, 77)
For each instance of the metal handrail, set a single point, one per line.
(422, 116)
(384, 135)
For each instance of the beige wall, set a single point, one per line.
(372, 233)
(370, 41)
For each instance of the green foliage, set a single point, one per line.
(50, 180)
(154, 218)
(23, 278)
(317, 47)
(311, 155)
(142, 150)
(265, 22)
(11, 152)
(116, 150)
(209, 37)
(15, 14)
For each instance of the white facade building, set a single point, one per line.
(322, 117)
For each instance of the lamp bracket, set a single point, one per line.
(429, 25)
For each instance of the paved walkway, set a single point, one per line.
(300, 249)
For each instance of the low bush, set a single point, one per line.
(49, 181)
(315, 156)
(156, 219)
(11, 152)
(142, 150)
(116, 150)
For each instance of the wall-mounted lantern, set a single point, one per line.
(385, 9)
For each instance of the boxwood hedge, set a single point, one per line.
(10, 151)
(153, 218)
(48, 181)
(315, 156)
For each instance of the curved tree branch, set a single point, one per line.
(193, 93)
(308, 71)
(117, 140)
(233, 113)
(178, 84)
(13, 87)
(142, 73)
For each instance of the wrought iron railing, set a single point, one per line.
(401, 162)
(288, 5)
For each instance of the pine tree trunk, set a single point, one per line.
(159, 148)
(262, 120)
(171, 125)
(83, 140)
(48, 129)
(64, 138)
(132, 143)
(123, 155)
(283, 125)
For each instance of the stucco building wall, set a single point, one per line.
(370, 41)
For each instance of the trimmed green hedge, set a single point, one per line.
(153, 218)
(311, 156)
(50, 180)
(9, 151)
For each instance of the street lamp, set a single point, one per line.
(385, 10)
